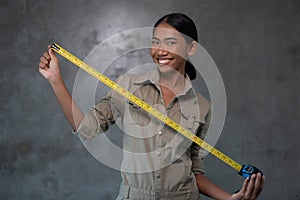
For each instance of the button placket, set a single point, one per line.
(158, 184)
(158, 167)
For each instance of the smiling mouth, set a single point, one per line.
(164, 61)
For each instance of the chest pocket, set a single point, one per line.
(191, 121)
(136, 115)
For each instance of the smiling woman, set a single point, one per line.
(188, 30)
(170, 48)
(170, 51)
(174, 164)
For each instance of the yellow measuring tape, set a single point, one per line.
(113, 85)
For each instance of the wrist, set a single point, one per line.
(57, 82)
(228, 196)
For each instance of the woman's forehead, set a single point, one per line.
(165, 30)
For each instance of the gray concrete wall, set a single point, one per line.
(254, 43)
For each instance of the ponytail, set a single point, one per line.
(190, 70)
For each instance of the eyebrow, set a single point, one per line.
(168, 38)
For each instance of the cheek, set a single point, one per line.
(152, 52)
(180, 51)
(181, 55)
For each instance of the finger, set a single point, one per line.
(256, 186)
(46, 55)
(250, 187)
(245, 185)
(44, 60)
(41, 69)
(43, 66)
(241, 194)
(262, 182)
(261, 185)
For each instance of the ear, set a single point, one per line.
(193, 48)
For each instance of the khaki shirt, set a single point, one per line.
(158, 162)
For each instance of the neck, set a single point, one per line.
(173, 80)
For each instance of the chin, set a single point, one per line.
(164, 68)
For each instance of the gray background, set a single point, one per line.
(254, 43)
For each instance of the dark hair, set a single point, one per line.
(187, 27)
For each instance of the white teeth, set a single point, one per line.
(163, 61)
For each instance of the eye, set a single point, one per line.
(155, 43)
(171, 43)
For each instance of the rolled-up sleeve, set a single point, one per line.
(197, 153)
(100, 116)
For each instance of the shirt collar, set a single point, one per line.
(153, 77)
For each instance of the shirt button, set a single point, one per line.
(188, 196)
(158, 153)
(160, 133)
(158, 176)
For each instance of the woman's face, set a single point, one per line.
(169, 48)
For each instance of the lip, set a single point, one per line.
(164, 61)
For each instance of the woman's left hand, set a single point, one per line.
(251, 189)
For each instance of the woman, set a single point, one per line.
(158, 163)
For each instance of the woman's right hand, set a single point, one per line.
(49, 67)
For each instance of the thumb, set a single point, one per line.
(51, 53)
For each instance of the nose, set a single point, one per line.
(161, 51)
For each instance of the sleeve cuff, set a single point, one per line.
(87, 128)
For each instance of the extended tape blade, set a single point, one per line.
(162, 117)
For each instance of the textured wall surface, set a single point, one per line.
(255, 44)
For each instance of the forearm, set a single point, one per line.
(208, 188)
(50, 69)
(71, 111)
